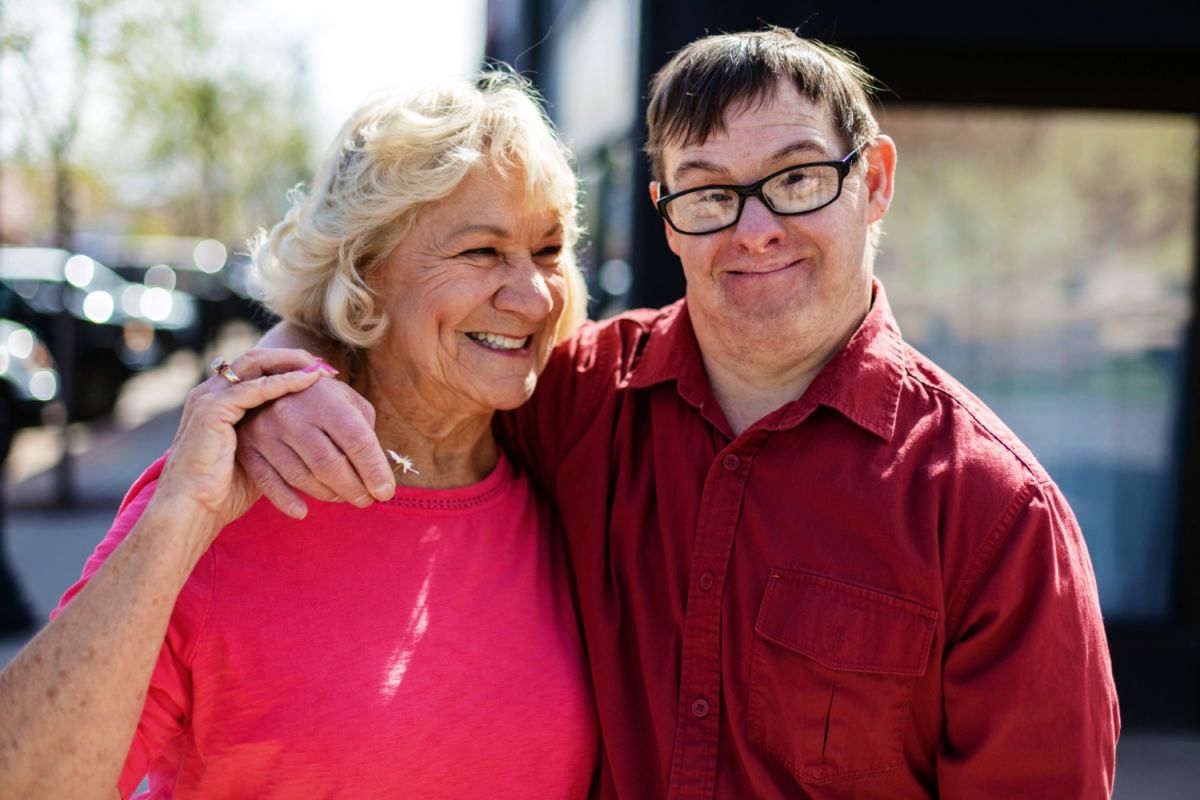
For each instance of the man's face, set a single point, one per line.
(779, 287)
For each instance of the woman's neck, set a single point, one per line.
(447, 447)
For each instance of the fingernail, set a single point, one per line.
(314, 367)
(384, 491)
(328, 368)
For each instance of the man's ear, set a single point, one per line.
(880, 177)
(655, 193)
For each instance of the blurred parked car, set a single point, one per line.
(204, 268)
(99, 327)
(28, 380)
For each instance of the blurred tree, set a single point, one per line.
(223, 124)
(195, 132)
(50, 121)
(53, 120)
(198, 129)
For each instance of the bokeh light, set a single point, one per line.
(79, 271)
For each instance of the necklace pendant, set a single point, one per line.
(402, 463)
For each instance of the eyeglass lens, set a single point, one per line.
(795, 191)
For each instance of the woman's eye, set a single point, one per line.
(480, 251)
(553, 251)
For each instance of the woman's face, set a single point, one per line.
(473, 294)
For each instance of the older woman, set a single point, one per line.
(424, 646)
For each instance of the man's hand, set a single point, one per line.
(321, 441)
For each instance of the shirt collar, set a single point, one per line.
(670, 343)
(862, 382)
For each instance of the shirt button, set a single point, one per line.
(699, 708)
(706, 580)
(731, 462)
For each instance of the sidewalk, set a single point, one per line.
(47, 547)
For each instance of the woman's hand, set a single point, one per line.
(201, 476)
(71, 699)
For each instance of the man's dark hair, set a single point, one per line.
(690, 96)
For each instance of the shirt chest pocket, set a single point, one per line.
(832, 672)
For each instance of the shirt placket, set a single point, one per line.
(698, 715)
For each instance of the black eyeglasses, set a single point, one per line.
(798, 189)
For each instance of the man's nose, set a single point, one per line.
(758, 227)
(525, 291)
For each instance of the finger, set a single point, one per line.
(261, 361)
(364, 455)
(337, 432)
(271, 484)
(355, 436)
(285, 463)
(329, 465)
(253, 392)
(292, 434)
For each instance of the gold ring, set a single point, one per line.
(225, 370)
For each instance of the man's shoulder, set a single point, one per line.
(585, 374)
(978, 439)
(627, 329)
(616, 343)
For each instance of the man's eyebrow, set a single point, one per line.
(807, 146)
(802, 146)
(697, 165)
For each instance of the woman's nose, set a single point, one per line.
(526, 292)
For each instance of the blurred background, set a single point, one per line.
(1042, 246)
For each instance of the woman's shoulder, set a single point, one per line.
(195, 596)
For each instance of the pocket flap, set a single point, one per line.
(846, 627)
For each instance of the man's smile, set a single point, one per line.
(764, 270)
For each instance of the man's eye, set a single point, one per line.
(715, 196)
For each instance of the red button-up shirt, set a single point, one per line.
(873, 592)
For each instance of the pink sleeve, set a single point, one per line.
(168, 699)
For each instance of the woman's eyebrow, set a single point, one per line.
(494, 230)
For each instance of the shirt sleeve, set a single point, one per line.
(168, 698)
(1030, 705)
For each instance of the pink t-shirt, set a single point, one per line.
(424, 647)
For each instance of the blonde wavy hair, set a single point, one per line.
(394, 156)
